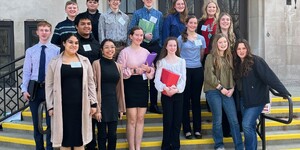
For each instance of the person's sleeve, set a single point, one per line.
(101, 30)
(56, 37)
(166, 29)
(179, 39)
(96, 72)
(198, 30)
(182, 79)
(91, 86)
(209, 72)
(122, 59)
(134, 21)
(49, 86)
(267, 76)
(160, 28)
(27, 71)
(150, 75)
(120, 91)
(157, 83)
(203, 43)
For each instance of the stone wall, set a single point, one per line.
(282, 39)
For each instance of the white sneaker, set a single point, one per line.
(221, 148)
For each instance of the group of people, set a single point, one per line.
(93, 72)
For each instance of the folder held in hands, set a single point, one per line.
(151, 57)
(169, 78)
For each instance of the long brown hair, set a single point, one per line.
(230, 33)
(216, 54)
(242, 68)
(184, 34)
(182, 15)
(164, 51)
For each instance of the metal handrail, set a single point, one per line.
(13, 62)
(12, 73)
(290, 118)
(262, 123)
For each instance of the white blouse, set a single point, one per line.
(178, 68)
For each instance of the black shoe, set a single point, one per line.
(155, 109)
(188, 135)
(198, 135)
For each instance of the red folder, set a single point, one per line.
(169, 78)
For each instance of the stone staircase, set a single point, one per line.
(19, 134)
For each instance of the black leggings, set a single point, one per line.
(107, 131)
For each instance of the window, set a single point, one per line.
(129, 6)
(6, 44)
(238, 11)
(30, 33)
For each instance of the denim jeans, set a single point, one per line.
(250, 116)
(216, 101)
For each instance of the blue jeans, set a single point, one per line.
(250, 116)
(38, 137)
(216, 101)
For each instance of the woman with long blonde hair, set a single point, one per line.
(208, 24)
(218, 88)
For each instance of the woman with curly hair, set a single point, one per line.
(254, 78)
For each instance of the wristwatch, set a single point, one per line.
(220, 88)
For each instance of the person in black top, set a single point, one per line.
(66, 26)
(88, 46)
(93, 13)
(110, 95)
(253, 79)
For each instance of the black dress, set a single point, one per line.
(71, 86)
(109, 78)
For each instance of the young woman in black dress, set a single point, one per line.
(110, 95)
(71, 97)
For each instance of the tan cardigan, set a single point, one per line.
(120, 86)
(54, 101)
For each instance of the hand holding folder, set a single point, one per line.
(151, 57)
(147, 27)
(169, 78)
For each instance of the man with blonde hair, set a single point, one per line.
(66, 26)
(35, 65)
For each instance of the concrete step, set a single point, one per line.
(150, 129)
(21, 133)
(276, 111)
(273, 138)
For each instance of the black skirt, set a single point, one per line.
(136, 92)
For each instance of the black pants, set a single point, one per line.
(107, 131)
(192, 93)
(38, 137)
(92, 144)
(152, 47)
(172, 116)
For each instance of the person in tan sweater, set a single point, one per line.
(108, 78)
(70, 97)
